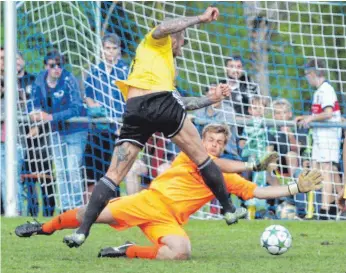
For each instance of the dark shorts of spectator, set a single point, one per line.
(156, 112)
(98, 154)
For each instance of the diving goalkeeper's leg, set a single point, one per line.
(70, 219)
(124, 156)
(171, 247)
(66, 220)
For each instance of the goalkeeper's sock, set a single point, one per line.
(213, 178)
(65, 220)
(144, 252)
(104, 190)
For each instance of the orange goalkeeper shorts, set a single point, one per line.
(148, 212)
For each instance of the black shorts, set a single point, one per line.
(156, 112)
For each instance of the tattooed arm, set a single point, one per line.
(193, 103)
(179, 24)
(216, 94)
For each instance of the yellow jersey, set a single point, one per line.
(153, 66)
(184, 192)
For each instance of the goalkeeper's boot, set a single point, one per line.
(29, 229)
(232, 218)
(115, 252)
(75, 239)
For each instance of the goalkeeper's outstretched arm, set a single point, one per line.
(266, 163)
(307, 181)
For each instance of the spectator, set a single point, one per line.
(104, 99)
(37, 165)
(219, 112)
(255, 147)
(57, 98)
(341, 199)
(282, 139)
(242, 88)
(326, 141)
(24, 82)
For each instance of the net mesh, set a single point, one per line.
(273, 40)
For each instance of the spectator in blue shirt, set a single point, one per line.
(219, 112)
(56, 98)
(104, 99)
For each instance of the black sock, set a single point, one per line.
(213, 178)
(323, 215)
(104, 190)
(332, 210)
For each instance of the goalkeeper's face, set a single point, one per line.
(214, 143)
(178, 41)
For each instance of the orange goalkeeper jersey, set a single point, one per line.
(183, 190)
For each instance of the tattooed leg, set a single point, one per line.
(123, 157)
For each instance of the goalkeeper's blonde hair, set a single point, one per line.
(217, 128)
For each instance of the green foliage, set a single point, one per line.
(317, 247)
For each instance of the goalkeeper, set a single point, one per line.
(154, 106)
(172, 197)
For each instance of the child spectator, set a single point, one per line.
(255, 146)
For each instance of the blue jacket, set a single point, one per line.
(63, 102)
(100, 87)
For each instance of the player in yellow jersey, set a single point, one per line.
(162, 210)
(152, 106)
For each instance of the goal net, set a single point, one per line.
(271, 40)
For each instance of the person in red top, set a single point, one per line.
(172, 197)
(326, 141)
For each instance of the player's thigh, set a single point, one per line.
(156, 231)
(124, 156)
(137, 209)
(189, 141)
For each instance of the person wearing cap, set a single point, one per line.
(326, 141)
(57, 98)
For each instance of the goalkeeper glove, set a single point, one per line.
(264, 163)
(307, 181)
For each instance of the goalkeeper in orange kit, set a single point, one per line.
(161, 211)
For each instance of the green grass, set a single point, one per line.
(317, 247)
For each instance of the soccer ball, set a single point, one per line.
(276, 239)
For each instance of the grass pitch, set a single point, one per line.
(317, 247)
